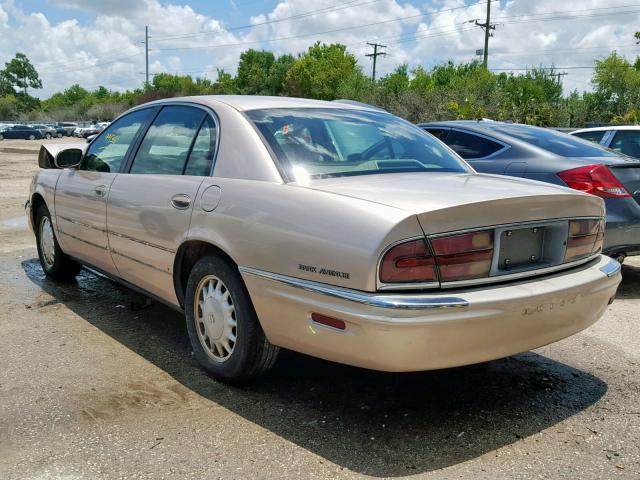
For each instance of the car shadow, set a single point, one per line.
(378, 424)
(630, 286)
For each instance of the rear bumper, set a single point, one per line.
(430, 331)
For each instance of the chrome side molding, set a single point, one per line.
(611, 268)
(399, 301)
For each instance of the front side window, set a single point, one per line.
(326, 142)
(627, 142)
(166, 145)
(107, 152)
(594, 136)
(470, 146)
(439, 133)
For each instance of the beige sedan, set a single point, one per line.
(329, 228)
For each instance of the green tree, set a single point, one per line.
(252, 77)
(9, 107)
(319, 72)
(21, 74)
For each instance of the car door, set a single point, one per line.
(478, 150)
(81, 194)
(149, 208)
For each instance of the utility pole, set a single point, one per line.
(375, 55)
(146, 54)
(558, 76)
(487, 27)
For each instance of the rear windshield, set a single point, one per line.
(554, 141)
(319, 143)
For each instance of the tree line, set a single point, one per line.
(330, 71)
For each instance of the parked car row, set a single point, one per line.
(47, 130)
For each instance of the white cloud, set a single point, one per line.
(107, 50)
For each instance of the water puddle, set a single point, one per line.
(16, 223)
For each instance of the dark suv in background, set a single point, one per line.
(554, 157)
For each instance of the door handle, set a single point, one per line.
(101, 190)
(181, 201)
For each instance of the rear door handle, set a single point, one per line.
(101, 190)
(181, 201)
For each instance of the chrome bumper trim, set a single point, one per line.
(400, 301)
(611, 268)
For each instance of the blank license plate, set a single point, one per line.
(521, 247)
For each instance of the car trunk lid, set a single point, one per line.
(629, 175)
(445, 202)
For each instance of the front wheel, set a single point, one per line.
(1, 137)
(48, 136)
(32, 137)
(223, 327)
(55, 263)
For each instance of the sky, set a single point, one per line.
(99, 42)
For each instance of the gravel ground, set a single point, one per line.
(95, 382)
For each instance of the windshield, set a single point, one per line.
(320, 143)
(555, 142)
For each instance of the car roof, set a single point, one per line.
(255, 102)
(610, 127)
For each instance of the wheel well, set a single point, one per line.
(186, 257)
(36, 202)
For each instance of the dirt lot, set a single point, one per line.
(95, 383)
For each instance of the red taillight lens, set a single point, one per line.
(408, 262)
(457, 257)
(464, 257)
(595, 179)
(585, 238)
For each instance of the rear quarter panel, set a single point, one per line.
(300, 232)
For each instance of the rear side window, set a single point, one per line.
(594, 137)
(439, 133)
(106, 153)
(204, 148)
(470, 146)
(555, 142)
(165, 147)
(627, 142)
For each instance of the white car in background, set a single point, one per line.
(621, 138)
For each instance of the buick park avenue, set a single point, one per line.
(329, 228)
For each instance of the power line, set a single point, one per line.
(321, 33)
(321, 11)
(374, 56)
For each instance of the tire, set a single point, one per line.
(209, 323)
(32, 137)
(55, 263)
(48, 136)
(1, 137)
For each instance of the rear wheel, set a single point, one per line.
(32, 137)
(55, 263)
(1, 137)
(48, 136)
(223, 327)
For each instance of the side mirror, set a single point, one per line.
(68, 158)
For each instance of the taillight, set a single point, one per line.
(464, 257)
(457, 257)
(584, 239)
(595, 179)
(408, 262)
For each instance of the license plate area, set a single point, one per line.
(529, 247)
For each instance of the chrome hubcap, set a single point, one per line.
(47, 243)
(215, 316)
